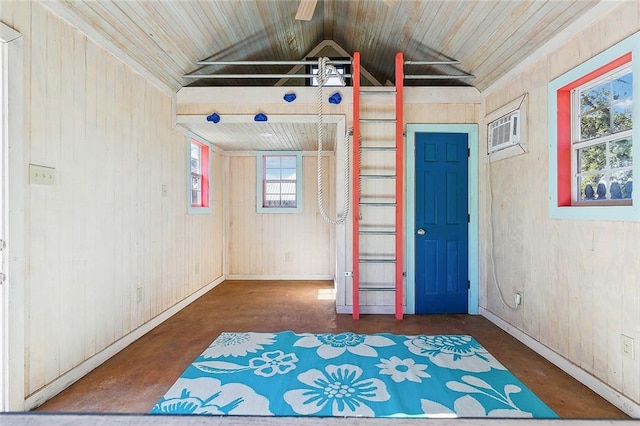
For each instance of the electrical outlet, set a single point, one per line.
(139, 294)
(627, 346)
(164, 190)
(197, 268)
(518, 299)
(42, 175)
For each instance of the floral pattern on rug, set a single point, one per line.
(349, 375)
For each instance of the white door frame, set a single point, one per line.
(13, 181)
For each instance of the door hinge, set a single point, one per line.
(2, 277)
(469, 284)
(3, 245)
(468, 152)
(468, 218)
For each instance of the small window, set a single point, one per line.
(199, 172)
(333, 81)
(279, 182)
(312, 68)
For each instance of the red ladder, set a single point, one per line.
(398, 286)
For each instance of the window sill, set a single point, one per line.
(199, 210)
(602, 203)
(603, 210)
(279, 210)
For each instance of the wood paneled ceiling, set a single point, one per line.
(168, 37)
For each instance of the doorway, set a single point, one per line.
(12, 199)
(442, 207)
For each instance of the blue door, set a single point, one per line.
(441, 234)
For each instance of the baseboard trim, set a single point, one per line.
(368, 310)
(67, 379)
(625, 404)
(312, 277)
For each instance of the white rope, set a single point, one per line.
(324, 71)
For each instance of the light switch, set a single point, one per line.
(42, 175)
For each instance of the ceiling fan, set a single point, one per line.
(306, 9)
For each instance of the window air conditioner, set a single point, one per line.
(504, 132)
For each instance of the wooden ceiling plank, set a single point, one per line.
(96, 27)
(193, 46)
(125, 25)
(155, 32)
(515, 26)
(482, 25)
(200, 16)
(214, 16)
(443, 24)
(181, 26)
(487, 37)
(542, 26)
(143, 46)
(328, 17)
(476, 17)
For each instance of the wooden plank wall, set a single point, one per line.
(104, 232)
(280, 246)
(580, 279)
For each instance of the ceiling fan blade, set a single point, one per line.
(306, 9)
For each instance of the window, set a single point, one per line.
(331, 81)
(592, 134)
(199, 172)
(601, 138)
(279, 182)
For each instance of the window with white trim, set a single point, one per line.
(199, 175)
(601, 139)
(279, 182)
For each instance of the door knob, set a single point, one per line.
(421, 231)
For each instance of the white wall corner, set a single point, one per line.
(64, 381)
(619, 400)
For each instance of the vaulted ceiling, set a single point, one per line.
(168, 38)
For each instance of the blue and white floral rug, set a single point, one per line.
(347, 374)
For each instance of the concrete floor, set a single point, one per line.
(134, 379)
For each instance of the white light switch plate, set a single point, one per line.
(42, 175)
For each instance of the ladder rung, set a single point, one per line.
(377, 204)
(378, 176)
(377, 148)
(377, 92)
(377, 260)
(377, 120)
(377, 289)
(377, 232)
